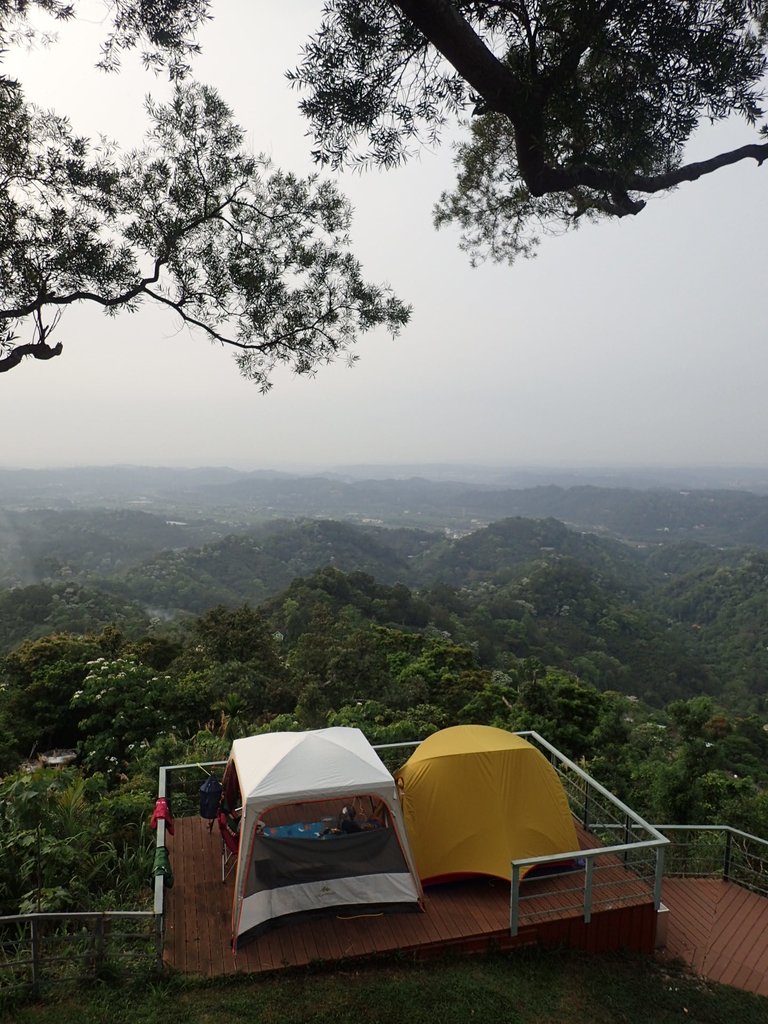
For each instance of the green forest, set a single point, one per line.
(138, 642)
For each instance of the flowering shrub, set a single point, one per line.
(124, 705)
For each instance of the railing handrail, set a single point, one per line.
(159, 890)
(590, 851)
(712, 828)
(590, 855)
(66, 915)
(657, 840)
(194, 764)
(29, 966)
(593, 783)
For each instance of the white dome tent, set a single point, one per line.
(320, 829)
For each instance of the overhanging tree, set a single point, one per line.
(581, 107)
(254, 258)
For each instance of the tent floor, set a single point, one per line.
(469, 916)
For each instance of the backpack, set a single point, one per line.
(210, 797)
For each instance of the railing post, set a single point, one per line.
(727, 858)
(588, 889)
(514, 909)
(163, 790)
(658, 880)
(627, 833)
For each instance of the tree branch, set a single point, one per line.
(586, 24)
(454, 37)
(501, 91)
(691, 172)
(49, 299)
(178, 307)
(265, 346)
(546, 179)
(38, 350)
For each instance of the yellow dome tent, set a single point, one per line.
(474, 798)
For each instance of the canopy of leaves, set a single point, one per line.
(255, 258)
(581, 107)
(252, 257)
(164, 30)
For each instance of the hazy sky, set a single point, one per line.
(635, 342)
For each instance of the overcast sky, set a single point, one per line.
(635, 342)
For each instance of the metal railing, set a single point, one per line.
(184, 799)
(641, 852)
(48, 948)
(718, 851)
(42, 949)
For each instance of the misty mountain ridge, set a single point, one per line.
(238, 500)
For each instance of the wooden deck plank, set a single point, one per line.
(173, 951)
(471, 915)
(720, 929)
(692, 908)
(717, 927)
(443, 911)
(422, 927)
(739, 945)
(738, 919)
(756, 943)
(214, 942)
(392, 937)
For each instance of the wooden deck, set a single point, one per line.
(469, 916)
(720, 929)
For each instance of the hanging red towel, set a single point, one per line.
(162, 810)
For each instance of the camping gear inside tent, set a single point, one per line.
(320, 828)
(475, 798)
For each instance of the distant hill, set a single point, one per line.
(657, 514)
(102, 485)
(661, 592)
(38, 545)
(254, 566)
(497, 553)
(45, 608)
(662, 621)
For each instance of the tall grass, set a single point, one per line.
(525, 987)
